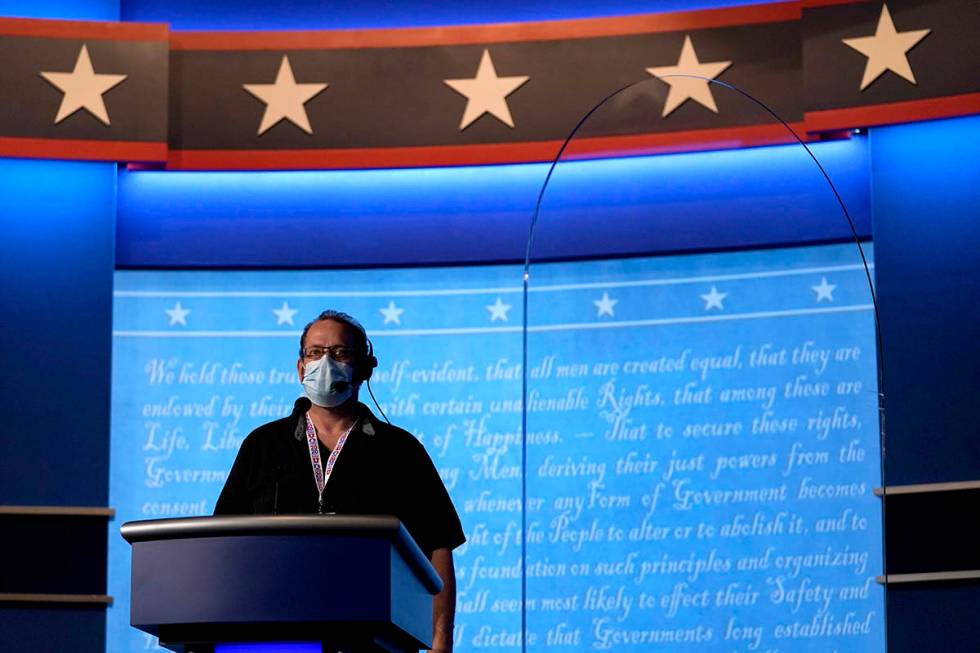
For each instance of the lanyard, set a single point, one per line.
(322, 474)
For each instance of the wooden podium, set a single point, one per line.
(351, 582)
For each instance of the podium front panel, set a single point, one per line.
(237, 581)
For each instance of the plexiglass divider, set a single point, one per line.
(676, 451)
(702, 426)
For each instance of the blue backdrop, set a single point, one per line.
(702, 436)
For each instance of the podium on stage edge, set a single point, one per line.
(353, 582)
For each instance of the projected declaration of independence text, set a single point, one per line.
(701, 448)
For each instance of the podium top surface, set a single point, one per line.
(381, 526)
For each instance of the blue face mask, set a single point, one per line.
(327, 382)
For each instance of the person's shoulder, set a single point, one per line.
(274, 428)
(390, 435)
(272, 432)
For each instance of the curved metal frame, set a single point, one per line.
(879, 351)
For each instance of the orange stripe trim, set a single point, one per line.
(485, 154)
(893, 113)
(82, 29)
(477, 34)
(89, 150)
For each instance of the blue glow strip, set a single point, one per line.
(269, 647)
(401, 217)
(312, 14)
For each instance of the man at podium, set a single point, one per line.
(332, 455)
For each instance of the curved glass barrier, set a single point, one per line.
(697, 457)
(702, 439)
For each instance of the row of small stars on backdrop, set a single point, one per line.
(605, 306)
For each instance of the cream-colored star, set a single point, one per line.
(284, 99)
(83, 88)
(486, 93)
(887, 49)
(683, 87)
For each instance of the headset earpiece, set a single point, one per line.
(369, 362)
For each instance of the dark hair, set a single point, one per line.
(360, 335)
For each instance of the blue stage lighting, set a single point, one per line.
(315, 14)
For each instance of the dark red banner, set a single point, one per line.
(481, 94)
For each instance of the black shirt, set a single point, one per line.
(382, 470)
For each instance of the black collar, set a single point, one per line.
(367, 422)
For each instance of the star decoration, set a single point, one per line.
(284, 315)
(684, 88)
(498, 310)
(486, 93)
(285, 99)
(605, 305)
(83, 88)
(713, 299)
(392, 313)
(886, 50)
(178, 314)
(824, 290)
